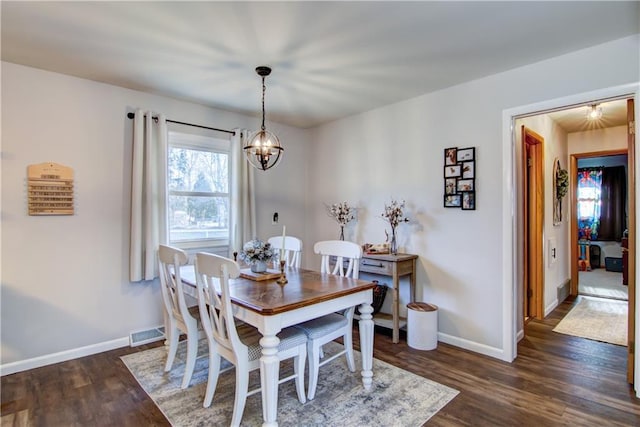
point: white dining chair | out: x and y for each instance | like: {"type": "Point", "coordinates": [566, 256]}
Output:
{"type": "Point", "coordinates": [325, 329]}
{"type": "Point", "coordinates": [180, 316]}
{"type": "Point", "coordinates": [239, 344]}
{"type": "Point", "coordinates": [292, 249]}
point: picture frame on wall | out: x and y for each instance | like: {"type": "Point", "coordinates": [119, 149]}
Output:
{"type": "Point", "coordinates": [468, 200]}
{"type": "Point", "coordinates": [450, 156]}
{"type": "Point", "coordinates": [469, 169]}
{"type": "Point", "coordinates": [450, 186]}
{"type": "Point", "coordinates": [452, 171]}
{"type": "Point", "coordinates": [466, 154]}
{"type": "Point", "coordinates": [452, 201]}
{"type": "Point", "coordinates": [459, 172]}
{"type": "Point", "coordinates": [465, 185]}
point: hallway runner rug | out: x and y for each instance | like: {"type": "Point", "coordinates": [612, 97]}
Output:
{"type": "Point", "coordinates": [397, 398]}
{"type": "Point", "coordinates": [597, 319]}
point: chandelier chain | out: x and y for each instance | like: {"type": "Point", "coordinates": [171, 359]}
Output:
{"type": "Point", "coordinates": [264, 88]}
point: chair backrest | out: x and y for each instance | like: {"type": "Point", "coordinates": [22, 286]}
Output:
{"type": "Point", "coordinates": [170, 260]}
{"type": "Point", "coordinates": [292, 249]}
{"type": "Point", "coordinates": [343, 251]}
{"type": "Point", "coordinates": [215, 309]}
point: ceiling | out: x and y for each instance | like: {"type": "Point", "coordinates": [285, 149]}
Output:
{"type": "Point", "coordinates": [329, 59]}
{"type": "Point", "coordinates": [614, 113]}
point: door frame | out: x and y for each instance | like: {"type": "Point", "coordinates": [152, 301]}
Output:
{"type": "Point", "coordinates": [573, 191]}
{"type": "Point", "coordinates": [533, 224]}
{"type": "Point", "coordinates": [633, 364]}
{"type": "Point", "coordinates": [511, 330]}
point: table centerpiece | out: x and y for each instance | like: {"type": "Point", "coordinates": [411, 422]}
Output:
{"type": "Point", "coordinates": [257, 253]}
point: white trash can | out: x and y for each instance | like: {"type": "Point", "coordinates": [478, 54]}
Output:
{"type": "Point", "coordinates": [422, 326]}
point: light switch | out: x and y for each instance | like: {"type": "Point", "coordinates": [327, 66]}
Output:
{"type": "Point", "coordinates": [553, 251]}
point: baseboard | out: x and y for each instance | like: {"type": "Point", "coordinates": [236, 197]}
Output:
{"type": "Point", "coordinates": [520, 335]}
{"type": "Point", "coordinates": [49, 359]}
{"type": "Point", "coordinates": [548, 309]}
{"type": "Point", "coordinates": [494, 352]}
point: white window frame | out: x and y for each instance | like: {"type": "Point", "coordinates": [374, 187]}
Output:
{"type": "Point", "coordinates": [201, 143]}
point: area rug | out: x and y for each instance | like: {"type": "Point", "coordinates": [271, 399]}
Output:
{"type": "Point", "coordinates": [602, 283]}
{"type": "Point", "coordinates": [597, 319]}
{"type": "Point", "coordinates": [397, 397]}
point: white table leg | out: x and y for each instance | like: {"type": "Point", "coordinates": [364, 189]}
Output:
{"type": "Point", "coordinates": [269, 374]}
{"type": "Point", "coordinates": [366, 344]}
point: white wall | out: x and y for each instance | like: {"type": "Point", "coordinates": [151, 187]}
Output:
{"type": "Point", "coordinates": [397, 151]}
{"type": "Point", "coordinates": [593, 141]}
{"type": "Point", "coordinates": [64, 278]}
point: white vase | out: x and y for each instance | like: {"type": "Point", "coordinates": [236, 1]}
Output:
{"type": "Point", "coordinates": [259, 267]}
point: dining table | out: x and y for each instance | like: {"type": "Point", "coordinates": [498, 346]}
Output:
{"type": "Point", "coordinates": [271, 306]}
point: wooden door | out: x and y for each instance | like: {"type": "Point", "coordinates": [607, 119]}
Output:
{"type": "Point", "coordinates": [631, 178]}
{"type": "Point", "coordinates": [533, 221]}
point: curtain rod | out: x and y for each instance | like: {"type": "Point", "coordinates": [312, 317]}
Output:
{"type": "Point", "coordinates": [132, 115]}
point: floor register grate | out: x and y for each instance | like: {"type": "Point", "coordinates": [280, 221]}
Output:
{"type": "Point", "coordinates": [146, 336]}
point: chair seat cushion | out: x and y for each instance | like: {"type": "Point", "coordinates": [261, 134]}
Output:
{"type": "Point", "coordinates": [323, 325]}
{"type": "Point", "coordinates": [195, 312]}
{"type": "Point", "coordinates": [250, 336]}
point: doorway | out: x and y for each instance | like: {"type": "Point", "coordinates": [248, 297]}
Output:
{"type": "Point", "coordinates": [601, 190]}
{"type": "Point", "coordinates": [568, 253]}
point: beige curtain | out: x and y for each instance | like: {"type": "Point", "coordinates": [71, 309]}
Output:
{"type": "Point", "coordinates": [243, 203]}
{"type": "Point", "coordinates": [148, 194]}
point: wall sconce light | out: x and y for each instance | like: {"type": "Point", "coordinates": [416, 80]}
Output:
{"type": "Point", "coordinates": [263, 150]}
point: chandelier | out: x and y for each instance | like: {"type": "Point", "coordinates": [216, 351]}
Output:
{"type": "Point", "coordinates": [263, 149]}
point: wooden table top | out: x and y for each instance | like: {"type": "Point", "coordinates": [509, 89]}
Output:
{"type": "Point", "coordinates": [304, 287]}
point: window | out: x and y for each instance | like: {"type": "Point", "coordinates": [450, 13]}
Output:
{"type": "Point", "coordinates": [198, 187]}
{"type": "Point", "coordinates": [589, 202]}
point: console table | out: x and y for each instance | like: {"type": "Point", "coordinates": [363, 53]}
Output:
{"type": "Point", "coordinates": [393, 266]}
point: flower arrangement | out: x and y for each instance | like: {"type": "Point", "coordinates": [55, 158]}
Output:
{"type": "Point", "coordinates": [257, 250]}
{"type": "Point", "coordinates": [394, 213]}
{"type": "Point", "coordinates": [342, 213]}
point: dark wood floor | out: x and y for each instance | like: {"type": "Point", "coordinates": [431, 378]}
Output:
{"type": "Point", "coordinates": [557, 380]}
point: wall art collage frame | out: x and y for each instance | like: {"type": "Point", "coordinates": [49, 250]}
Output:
{"type": "Point", "coordinates": [460, 178]}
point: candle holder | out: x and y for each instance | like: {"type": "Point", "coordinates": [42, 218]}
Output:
{"type": "Point", "coordinates": [283, 278]}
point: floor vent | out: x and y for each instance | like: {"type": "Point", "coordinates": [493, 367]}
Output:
{"type": "Point", "coordinates": [146, 336]}
{"type": "Point", "coordinates": [564, 290]}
